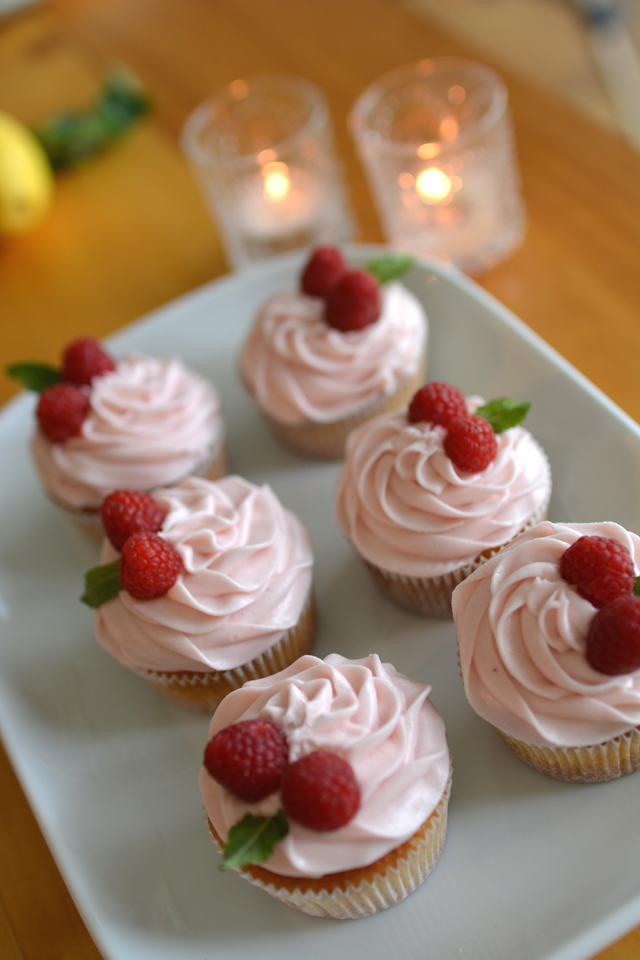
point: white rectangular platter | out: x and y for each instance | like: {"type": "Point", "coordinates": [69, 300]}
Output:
{"type": "Point", "coordinates": [533, 869]}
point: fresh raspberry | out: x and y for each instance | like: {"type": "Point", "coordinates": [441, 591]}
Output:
{"type": "Point", "coordinates": [437, 403]}
{"type": "Point", "coordinates": [320, 791]}
{"type": "Point", "coordinates": [613, 640]}
{"type": "Point", "coordinates": [149, 566]}
{"type": "Point", "coordinates": [248, 758]}
{"type": "Point", "coordinates": [61, 411]}
{"type": "Point", "coordinates": [354, 302]}
{"type": "Point", "coordinates": [601, 569]}
{"type": "Point", "coordinates": [125, 512]}
{"type": "Point", "coordinates": [323, 270]}
{"type": "Point", "coordinates": [470, 443]}
{"type": "Point", "coordinates": [84, 359]}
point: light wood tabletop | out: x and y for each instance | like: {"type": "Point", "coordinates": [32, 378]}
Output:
{"type": "Point", "coordinates": [129, 232]}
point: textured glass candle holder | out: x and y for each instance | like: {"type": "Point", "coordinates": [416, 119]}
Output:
{"type": "Point", "coordinates": [262, 152]}
{"type": "Point", "coordinates": [436, 141]}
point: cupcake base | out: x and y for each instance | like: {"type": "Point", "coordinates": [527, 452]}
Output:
{"type": "Point", "coordinates": [362, 892]}
{"type": "Point", "coordinates": [202, 691]}
{"type": "Point", "coordinates": [328, 440]}
{"type": "Point", "coordinates": [431, 596]}
{"type": "Point", "coordinates": [88, 520]}
{"type": "Point", "coordinates": [598, 763]}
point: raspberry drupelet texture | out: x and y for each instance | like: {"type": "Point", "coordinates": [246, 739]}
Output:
{"type": "Point", "coordinates": [470, 443]}
{"type": "Point", "coordinates": [248, 758]}
{"type": "Point", "coordinates": [149, 566]}
{"type": "Point", "coordinates": [323, 270]}
{"type": "Point", "coordinates": [437, 402]}
{"type": "Point", "coordinates": [600, 568]}
{"type": "Point", "coordinates": [125, 512]}
{"type": "Point", "coordinates": [320, 791]}
{"type": "Point", "coordinates": [84, 359]}
{"type": "Point", "coordinates": [61, 411]}
{"type": "Point", "coordinates": [354, 302]}
{"type": "Point", "coordinates": [613, 640]}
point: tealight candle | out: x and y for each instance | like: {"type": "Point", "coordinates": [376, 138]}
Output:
{"type": "Point", "coordinates": [435, 140]}
{"type": "Point", "coordinates": [262, 152]}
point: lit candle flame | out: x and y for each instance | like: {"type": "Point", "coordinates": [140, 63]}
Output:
{"type": "Point", "coordinates": [276, 181]}
{"type": "Point", "coordinates": [433, 185]}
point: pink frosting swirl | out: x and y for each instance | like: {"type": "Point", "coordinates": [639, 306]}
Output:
{"type": "Point", "coordinates": [380, 721]}
{"type": "Point", "coordinates": [521, 633]}
{"type": "Point", "coordinates": [247, 568]}
{"type": "Point", "coordinates": [407, 509]}
{"type": "Point", "coordinates": [299, 368]}
{"type": "Point", "coordinates": [151, 422]}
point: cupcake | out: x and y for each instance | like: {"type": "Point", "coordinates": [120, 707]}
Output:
{"type": "Point", "coordinates": [428, 492]}
{"type": "Point", "coordinates": [342, 767]}
{"type": "Point", "coordinates": [216, 592]}
{"type": "Point", "coordinates": [549, 639]}
{"type": "Point", "coordinates": [344, 347]}
{"type": "Point", "coordinates": [136, 423]}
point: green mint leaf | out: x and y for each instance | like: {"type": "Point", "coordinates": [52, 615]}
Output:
{"type": "Point", "coordinates": [252, 840]}
{"type": "Point", "coordinates": [101, 584]}
{"type": "Point", "coordinates": [636, 587]}
{"type": "Point", "coordinates": [72, 137]}
{"type": "Point", "coordinates": [390, 267]}
{"type": "Point", "coordinates": [503, 413]}
{"type": "Point", "coordinates": [33, 376]}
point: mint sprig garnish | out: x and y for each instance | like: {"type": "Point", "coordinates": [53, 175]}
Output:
{"type": "Point", "coordinates": [252, 840]}
{"type": "Point", "coordinates": [33, 376]}
{"type": "Point", "coordinates": [390, 267]}
{"type": "Point", "coordinates": [101, 584]}
{"type": "Point", "coordinates": [636, 587]}
{"type": "Point", "coordinates": [503, 413]}
{"type": "Point", "coordinates": [71, 137]}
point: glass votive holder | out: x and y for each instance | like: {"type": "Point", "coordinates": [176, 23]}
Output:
{"type": "Point", "coordinates": [436, 141]}
{"type": "Point", "coordinates": [262, 152]}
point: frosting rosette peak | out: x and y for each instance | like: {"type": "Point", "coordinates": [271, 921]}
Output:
{"type": "Point", "coordinates": [298, 368]}
{"type": "Point", "coordinates": [379, 721]}
{"type": "Point", "coordinates": [407, 509]}
{"type": "Point", "coordinates": [150, 422]}
{"type": "Point", "coordinates": [522, 633]}
{"type": "Point", "coordinates": [245, 580]}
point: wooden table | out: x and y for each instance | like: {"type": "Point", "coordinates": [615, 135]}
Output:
{"type": "Point", "coordinates": [129, 232]}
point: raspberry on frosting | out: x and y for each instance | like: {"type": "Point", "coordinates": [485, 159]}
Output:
{"type": "Point", "coordinates": [125, 512]}
{"type": "Point", "coordinates": [249, 758]}
{"type": "Point", "coordinates": [354, 302]}
{"type": "Point", "coordinates": [437, 402]}
{"type": "Point", "coordinates": [61, 411]}
{"type": "Point", "coordinates": [84, 359]}
{"type": "Point", "coordinates": [470, 443]}
{"type": "Point", "coordinates": [323, 270]}
{"type": "Point", "coordinates": [613, 640]}
{"type": "Point", "coordinates": [600, 568]}
{"type": "Point", "coordinates": [320, 791]}
{"type": "Point", "coordinates": [149, 566]}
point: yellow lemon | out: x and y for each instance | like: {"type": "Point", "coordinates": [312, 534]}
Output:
{"type": "Point", "coordinates": [26, 178]}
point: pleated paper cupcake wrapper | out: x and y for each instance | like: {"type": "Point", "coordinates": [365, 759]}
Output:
{"type": "Point", "coordinates": [213, 467]}
{"type": "Point", "coordinates": [361, 892]}
{"type": "Point", "coordinates": [431, 596]}
{"type": "Point", "coordinates": [328, 440]}
{"type": "Point", "coordinates": [594, 764]}
{"type": "Point", "coordinates": [203, 691]}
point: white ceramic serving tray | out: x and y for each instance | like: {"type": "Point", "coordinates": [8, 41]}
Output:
{"type": "Point", "coordinates": [532, 868]}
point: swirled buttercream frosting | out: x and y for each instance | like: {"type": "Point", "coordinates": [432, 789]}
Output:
{"type": "Point", "coordinates": [151, 422]}
{"type": "Point", "coordinates": [298, 368]}
{"type": "Point", "coordinates": [522, 633]}
{"type": "Point", "coordinates": [407, 509]}
{"type": "Point", "coordinates": [245, 578]}
{"type": "Point", "coordinates": [380, 721]}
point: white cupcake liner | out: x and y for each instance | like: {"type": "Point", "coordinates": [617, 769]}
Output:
{"type": "Point", "coordinates": [597, 763]}
{"type": "Point", "coordinates": [212, 467]}
{"type": "Point", "coordinates": [328, 440]}
{"type": "Point", "coordinates": [362, 892]}
{"type": "Point", "coordinates": [431, 596]}
{"type": "Point", "coordinates": [203, 690]}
